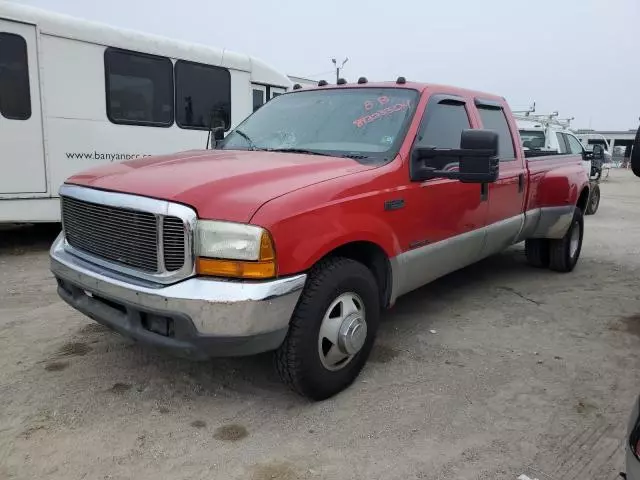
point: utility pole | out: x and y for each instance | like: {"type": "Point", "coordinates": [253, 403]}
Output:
{"type": "Point", "coordinates": [338, 68]}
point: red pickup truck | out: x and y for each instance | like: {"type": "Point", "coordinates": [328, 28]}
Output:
{"type": "Point", "coordinates": [307, 220]}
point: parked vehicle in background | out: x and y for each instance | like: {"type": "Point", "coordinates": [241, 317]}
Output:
{"type": "Point", "coordinates": [545, 135]}
{"type": "Point", "coordinates": [313, 215]}
{"type": "Point", "coordinates": [589, 141]}
{"type": "Point", "coordinates": [76, 94]}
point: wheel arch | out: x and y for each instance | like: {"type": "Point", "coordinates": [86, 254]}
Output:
{"type": "Point", "coordinates": [583, 199]}
{"type": "Point", "coordinates": [374, 257]}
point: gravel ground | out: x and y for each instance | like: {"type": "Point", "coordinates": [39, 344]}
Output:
{"type": "Point", "coordinates": [528, 372]}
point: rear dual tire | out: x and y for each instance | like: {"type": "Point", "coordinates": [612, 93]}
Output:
{"type": "Point", "coordinates": [537, 252]}
{"type": "Point", "coordinates": [594, 201]}
{"type": "Point", "coordinates": [560, 255]}
{"type": "Point", "coordinates": [565, 252]}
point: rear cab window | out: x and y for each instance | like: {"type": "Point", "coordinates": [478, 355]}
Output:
{"type": "Point", "coordinates": [15, 96]}
{"type": "Point", "coordinates": [494, 118]}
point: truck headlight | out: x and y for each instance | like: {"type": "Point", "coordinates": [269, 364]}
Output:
{"type": "Point", "coordinates": [236, 250]}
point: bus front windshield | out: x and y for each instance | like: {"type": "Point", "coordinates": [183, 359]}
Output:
{"type": "Point", "coordinates": [367, 124]}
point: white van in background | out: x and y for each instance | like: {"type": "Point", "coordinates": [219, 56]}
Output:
{"type": "Point", "coordinates": [546, 135]}
{"type": "Point", "coordinates": [75, 94]}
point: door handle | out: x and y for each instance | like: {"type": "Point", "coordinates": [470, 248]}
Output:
{"type": "Point", "coordinates": [484, 192]}
{"type": "Point", "coordinates": [521, 183]}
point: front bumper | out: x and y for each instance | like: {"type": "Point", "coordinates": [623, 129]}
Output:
{"type": "Point", "coordinates": [197, 317]}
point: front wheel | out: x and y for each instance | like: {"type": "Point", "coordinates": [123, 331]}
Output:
{"type": "Point", "coordinates": [332, 330]}
{"type": "Point", "coordinates": [594, 201]}
{"type": "Point", "coordinates": [564, 253]}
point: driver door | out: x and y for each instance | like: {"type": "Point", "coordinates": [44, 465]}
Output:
{"type": "Point", "coordinates": [446, 216]}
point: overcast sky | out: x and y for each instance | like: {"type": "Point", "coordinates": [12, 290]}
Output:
{"type": "Point", "coordinates": [579, 57]}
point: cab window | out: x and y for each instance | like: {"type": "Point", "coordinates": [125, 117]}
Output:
{"type": "Point", "coordinates": [442, 128]}
{"type": "Point", "coordinates": [443, 125]}
{"type": "Point", "coordinates": [494, 119]}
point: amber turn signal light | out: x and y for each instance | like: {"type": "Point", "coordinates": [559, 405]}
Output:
{"type": "Point", "coordinates": [235, 269]}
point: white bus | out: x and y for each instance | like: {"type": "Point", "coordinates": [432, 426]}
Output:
{"type": "Point", "coordinates": [74, 94]}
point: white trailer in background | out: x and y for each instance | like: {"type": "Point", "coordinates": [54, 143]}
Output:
{"type": "Point", "coordinates": [75, 94]}
{"type": "Point", "coordinates": [304, 82]}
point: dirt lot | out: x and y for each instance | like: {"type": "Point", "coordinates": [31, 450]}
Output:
{"type": "Point", "coordinates": [528, 372]}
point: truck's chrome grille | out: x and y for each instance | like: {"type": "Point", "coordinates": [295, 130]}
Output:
{"type": "Point", "coordinates": [124, 236]}
{"type": "Point", "coordinates": [173, 235]}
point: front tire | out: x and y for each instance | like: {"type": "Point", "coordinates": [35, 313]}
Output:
{"type": "Point", "coordinates": [565, 252]}
{"type": "Point", "coordinates": [332, 330]}
{"type": "Point", "coordinates": [594, 201]}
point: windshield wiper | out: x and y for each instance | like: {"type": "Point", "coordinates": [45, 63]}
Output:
{"type": "Point", "coordinates": [354, 156]}
{"type": "Point", "coordinates": [246, 137]}
{"type": "Point", "coordinates": [298, 150]}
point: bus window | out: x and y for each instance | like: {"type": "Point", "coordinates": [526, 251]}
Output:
{"type": "Point", "coordinates": [203, 96]}
{"type": "Point", "coordinates": [139, 88]}
{"type": "Point", "coordinates": [15, 99]}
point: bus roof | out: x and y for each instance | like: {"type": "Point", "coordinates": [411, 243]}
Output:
{"type": "Point", "coordinates": [64, 26]}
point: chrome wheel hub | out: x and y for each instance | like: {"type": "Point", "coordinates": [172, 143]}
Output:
{"type": "Point", "coordinates": [343, 331]}
{"type": "Point", "coordinates": [352, 335]}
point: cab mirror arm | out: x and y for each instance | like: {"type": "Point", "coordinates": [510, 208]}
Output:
{"type": "Point", "coordinates": [477, 160]}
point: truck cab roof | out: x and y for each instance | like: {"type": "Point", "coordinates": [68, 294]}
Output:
{"type": "Point", "coordinates": [419, 86]}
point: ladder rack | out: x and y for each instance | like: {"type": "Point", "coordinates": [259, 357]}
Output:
{"type": "Point", "coordinates": [546, 120]}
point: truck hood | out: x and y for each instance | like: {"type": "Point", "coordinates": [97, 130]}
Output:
{"type": "Point", "coordinates": [221, 184]}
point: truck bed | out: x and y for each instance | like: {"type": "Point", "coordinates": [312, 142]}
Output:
{"type": "Point", "coordinates": [554, 171]}
{"type": "Point", "coordinates": [539, 153]}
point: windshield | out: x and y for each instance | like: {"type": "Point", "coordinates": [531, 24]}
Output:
{"type": "Point", "coordinates": [532, 139]}
{"type": "Point", "coordinates": [362, 123]}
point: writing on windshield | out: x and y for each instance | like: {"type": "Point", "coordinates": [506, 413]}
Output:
{"type": "Point", "coordinates": [398, 107]}
{"type": "Point", "coordinates": [364, 123]}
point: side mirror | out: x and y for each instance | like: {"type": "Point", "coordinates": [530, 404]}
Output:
{"type": "Point", "coordinates": [215, 136]}
{"type": "Point", "coordinates": [635, 155]}
{"type": "Point", "coordinates": [476, 161]}
{"type": "Point", "coordinates": [218, 133]}
{"type": "Point", "coordinates": [598, 152]}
